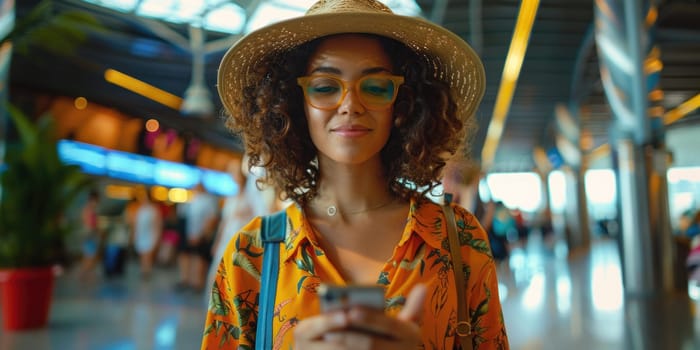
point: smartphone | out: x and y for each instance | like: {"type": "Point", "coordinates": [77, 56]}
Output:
{"type": "Point", "coordinates": [335, 297]}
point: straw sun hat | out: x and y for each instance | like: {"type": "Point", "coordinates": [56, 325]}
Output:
{"type": "Point", "coordinates": [455, 61]}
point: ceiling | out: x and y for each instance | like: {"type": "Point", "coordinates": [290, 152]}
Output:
{"type": "Point", "coordinates": [560, 67]}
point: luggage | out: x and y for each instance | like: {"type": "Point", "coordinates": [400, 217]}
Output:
{"type": "Point", "coordinates": [114, 260]}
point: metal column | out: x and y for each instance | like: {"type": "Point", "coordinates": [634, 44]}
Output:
{"type": "Point", "coordinates": [624, 42]}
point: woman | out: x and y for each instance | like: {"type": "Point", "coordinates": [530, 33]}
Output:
{"type": "Point", "coordinates": [89, 217]}
{"type": "Point", "coordinates": [147, 231]}
{"type": "Point", "coordinates": [353, 111]}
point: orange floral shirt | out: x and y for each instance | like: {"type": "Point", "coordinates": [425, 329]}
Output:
{"type": "Point", "coordinates": [421, 256]}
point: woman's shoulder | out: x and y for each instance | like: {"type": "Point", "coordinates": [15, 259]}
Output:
{"type": "Point", "coordinates": [249, 234]}
{"type": "Point", "coordinates": [467, 223]}
{"type": "Point", "coordinates": [435, 207]}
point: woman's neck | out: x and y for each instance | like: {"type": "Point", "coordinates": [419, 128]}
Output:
{"type": "Point", "coordinates": [351, 189]}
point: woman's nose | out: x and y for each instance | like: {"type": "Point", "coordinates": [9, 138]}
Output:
{"type": "Point", "coordinates": [351, 104]}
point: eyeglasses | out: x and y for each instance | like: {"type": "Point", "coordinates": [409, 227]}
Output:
{"type": "Point", "coordinates": [375, 92]}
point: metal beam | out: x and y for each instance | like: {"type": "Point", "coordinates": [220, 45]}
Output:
{"type": "Point", "coordinates": [476, 35]}
{"type": "Point", "coordinates": [437, 14]}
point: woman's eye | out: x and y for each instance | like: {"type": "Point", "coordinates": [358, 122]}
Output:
{"type": "Point", "coordinates": [375, 89]}
{"type": "Point", "coordinates": [323, 89]}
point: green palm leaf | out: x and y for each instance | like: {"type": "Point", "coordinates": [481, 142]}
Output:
{"type": "Point", "coordinates": [241, 260]}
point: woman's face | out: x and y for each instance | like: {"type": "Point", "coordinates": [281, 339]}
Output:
{"type": "Point", "coordinates": [350, 133]}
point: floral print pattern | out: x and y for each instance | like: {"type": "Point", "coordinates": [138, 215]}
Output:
{"type": "Point", "coordinates": [421, 256]}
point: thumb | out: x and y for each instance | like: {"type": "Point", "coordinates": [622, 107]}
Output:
{"type": "Point", "coordinates": [413, 309]}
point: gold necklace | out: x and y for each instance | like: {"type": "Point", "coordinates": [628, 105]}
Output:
{"type": "Point", "coordinates": [331, 210]}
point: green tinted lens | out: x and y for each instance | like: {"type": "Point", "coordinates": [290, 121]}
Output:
{"type": "Point", "coordinates": [377, 91]}
{"type": "Point", "coordinates": [324, 91]}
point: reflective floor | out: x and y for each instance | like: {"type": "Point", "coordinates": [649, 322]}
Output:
{"type": "Point", "coordinates": [550, 301]}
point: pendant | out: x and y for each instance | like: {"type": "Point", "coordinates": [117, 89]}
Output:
{"type": "Point", "coordinates": [331, 210]}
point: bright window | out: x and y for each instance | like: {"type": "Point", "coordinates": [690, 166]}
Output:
{"type": "Point", "coordinates": [601, 192]}
{"type": "Point", "coordinates": [557, 191]}
{"type": "Point", "coordinates": [516, 190]}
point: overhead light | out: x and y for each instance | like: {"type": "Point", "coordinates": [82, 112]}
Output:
{"type": "Point", "coordinates": [142, 88]}
{"type": "Point", "coordinates": [80, 103]}
{"type": "Point", "coordinates": [682, 110]}
{"type": "Point", "coordinates": [511, 71]}
{"type": "Point", "coordinates": [152, 125]}
{"type": "Point", "coordinates": [197, 101]}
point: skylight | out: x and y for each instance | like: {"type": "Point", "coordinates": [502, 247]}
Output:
{"type": "Point", "coordinates": [229, 16]}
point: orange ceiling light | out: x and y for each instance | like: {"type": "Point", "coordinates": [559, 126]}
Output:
{"type": "Point", "coordinates": [179, 195]}
{"type": "Point", "coordinates": [152, 125]}
{"type": "Point", "coordinates": [682, 110]}
{"type": "Point", "coordinates": [80, 103]}
{"type": "Point", "coordinates": [142, 88]}
{"type": "Point", "coordinates": [511, 71]}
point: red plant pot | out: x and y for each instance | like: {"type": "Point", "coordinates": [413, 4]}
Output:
{"type": "Point", "coordinates": [26, 296]}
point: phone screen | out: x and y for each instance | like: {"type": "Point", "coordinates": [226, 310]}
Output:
{"type": "Point", "coordinates": [343, 297]}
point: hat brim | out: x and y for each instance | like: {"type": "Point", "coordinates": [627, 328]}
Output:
{"type": "Point", "coordinates": [455, 61]}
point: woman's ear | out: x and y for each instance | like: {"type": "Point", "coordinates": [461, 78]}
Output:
{"type": "Point", "coordinates": [398, 120]}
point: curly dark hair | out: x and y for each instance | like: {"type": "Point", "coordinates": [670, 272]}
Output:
{"type": "Point", "coordinates": [272, 124]}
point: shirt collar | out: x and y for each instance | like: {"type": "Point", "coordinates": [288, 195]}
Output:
{"type": "Point", "coordinates": [299, 233]}
{"type": "Point", "coordinates": [424, 219]}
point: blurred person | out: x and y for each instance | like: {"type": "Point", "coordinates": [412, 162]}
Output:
{"type": "Point", "coordinates": [201, 219]}
{"type": "Point", "coordinates": [116, 246]}
{"type": "Point", "coordinates": [503, 230]}
{"type": "Point", "coordinates": [462, 181]}
{"type": "Point", "coordinates": [521, 225]}
{"type": "Point", "coordinates": [132, 207]}
{"type": "Point", "coordinates": [546, 226]}
{"type": "Point", "coordinates": [147, 231]}
{"type": "Point", "coordinates": [684, 221]}
{"type": "Point", "coordinates": [693, 261]}
{"type": "Point", "coordinates": [167, 250]}
{"type": "Point", "coordinates": [353, 117]}
{"type": "Point", "coordinates": [91, 235]}
{"type": "Point", "coordinates": [693, 229]}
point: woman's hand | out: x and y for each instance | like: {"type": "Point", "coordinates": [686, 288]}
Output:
{"type": "Point", "coordinates": [362, 328]}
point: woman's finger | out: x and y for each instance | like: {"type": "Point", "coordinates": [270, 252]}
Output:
{"type": "Point", "coordinates": [363, 341]}
{"type": "Point", "coordinates": [313, 328]}
{"type": "Point", "coordinates": [381, 326]}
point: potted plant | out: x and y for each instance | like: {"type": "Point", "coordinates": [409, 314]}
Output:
{"type": "Point", "coordinates": [36, 189]}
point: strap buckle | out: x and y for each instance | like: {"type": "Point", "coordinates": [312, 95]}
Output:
{"type": "Point", "coordinates": [464, 329]}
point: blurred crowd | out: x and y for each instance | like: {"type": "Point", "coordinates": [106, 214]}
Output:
{"type": "Point", "coordinates": [188, 236]}
{"type": "Point", "coordinates": [689, 229]}
{"type": "Point", "coordinates": [191, 236]}
{"type": "Point", "coordinates": [506, 227]}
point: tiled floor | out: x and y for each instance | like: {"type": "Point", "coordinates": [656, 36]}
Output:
{"type": "Point", "coordinates": [554, 302]}
{"type": "Point", "coordinates": [550, 302]}
{"type": "Point", "coordinates": [122, 313]}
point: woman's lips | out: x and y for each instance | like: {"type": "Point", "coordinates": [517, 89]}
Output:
{"type": "Point", "coordinates": [351, 131]}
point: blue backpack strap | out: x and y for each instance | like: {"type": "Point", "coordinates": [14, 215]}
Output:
{"type": "Point", "coordinates": [272, 231]}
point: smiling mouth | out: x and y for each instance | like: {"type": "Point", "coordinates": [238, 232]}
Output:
{"type": "Point", "coordinates": [351, 131]}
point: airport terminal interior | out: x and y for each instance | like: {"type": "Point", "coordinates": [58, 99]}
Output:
{"type": "Point", "coordinates": [586, 151]}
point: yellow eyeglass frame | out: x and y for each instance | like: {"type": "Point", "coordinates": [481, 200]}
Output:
{"type": "Point", "coordinates": [396, 79]}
